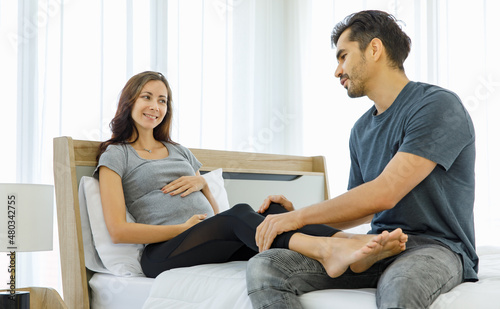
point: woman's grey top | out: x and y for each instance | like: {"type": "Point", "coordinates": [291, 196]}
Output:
{"type": "Point", "coordinates": [143, 179]}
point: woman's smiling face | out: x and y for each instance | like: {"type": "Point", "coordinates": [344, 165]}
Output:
{"type": "Point", "coordinates": [151, 106]}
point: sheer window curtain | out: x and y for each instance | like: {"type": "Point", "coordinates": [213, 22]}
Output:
{"type": "Point", "coordinates": [248, 75]}
{"type": "Point", "coordinates": [234, 68]}
{"type": "Point", "coordinates": [270, 39]}
{"type": "Point", "coordinates": [453, 45]}
{"type": "Point", "coordinates": [65, 62]}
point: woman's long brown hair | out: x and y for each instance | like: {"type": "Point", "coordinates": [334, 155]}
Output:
{"type": "Point", "coordinates": [122, 125]}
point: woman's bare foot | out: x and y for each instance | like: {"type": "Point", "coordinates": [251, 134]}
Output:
{"type": "Point", "coordinates": [393, 244]}
{"type": "Point", "coordinates": [337, 254]}
{"type": "Point", "coordinates": [359, 252]}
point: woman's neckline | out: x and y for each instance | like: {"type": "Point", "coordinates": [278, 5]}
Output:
{"type": "Point", "coordinates": [150, 155]}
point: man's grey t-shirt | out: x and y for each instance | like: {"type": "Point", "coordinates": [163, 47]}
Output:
{"type": "Point", "coordinates": [143, 179]}
{"type": "Point", "coordinates": [430, 122]}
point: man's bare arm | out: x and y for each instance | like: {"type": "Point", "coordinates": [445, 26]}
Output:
{"type": "Point", "coordinates": [403, 173]}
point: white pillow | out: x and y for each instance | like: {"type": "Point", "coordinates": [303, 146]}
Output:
{"type": "Point", "coordinates": [216, 185]}
{"type": "Point", "coordinates": [101, 254]}
{"type": "Point", "coordinates": [118, 259]}
{"type": "Point", "coordinates": [88, 193]}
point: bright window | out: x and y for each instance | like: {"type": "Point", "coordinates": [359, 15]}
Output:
{"type": "Point", "coordinates": [246, 75]}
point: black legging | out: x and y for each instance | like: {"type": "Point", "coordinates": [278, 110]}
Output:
{"type": "Point", "coordinates": [228, 236]}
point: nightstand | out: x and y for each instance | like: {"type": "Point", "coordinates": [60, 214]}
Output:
{"type": "Point", "coordinates": [44, 298]}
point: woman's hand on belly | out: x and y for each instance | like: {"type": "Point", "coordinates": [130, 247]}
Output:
{"type": "Point", "coordinates": [185, 185]}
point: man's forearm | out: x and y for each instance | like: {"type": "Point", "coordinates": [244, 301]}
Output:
{"type": "Point", "coordinates": [351, 224]}
{"type": "Point", "coordinates": [349, 209]}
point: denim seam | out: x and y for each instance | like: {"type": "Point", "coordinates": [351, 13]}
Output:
{"type": "Point", "coordinates": [438, 291]}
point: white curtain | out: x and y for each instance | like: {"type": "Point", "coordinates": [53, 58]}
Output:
{"type": "Point", "coordinates": [248, 75]}
{"type": "Point", "coordinates": [453, 45]}
{"type": "Point", "coordinates": [234, 69]}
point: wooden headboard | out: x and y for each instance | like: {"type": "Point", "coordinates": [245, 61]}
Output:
{"type": "Point", "coordinates": [76, 158]}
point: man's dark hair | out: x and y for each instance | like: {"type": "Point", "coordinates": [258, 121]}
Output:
{"type": "Point", "coordinates": [367, 25]}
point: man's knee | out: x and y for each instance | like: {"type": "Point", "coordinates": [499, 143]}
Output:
{"type": "Point", "coordinates": [417, 279]}
{"type": "Point", "coordinates": [286, 271]}
{"type": "Point", "coordinates": [401, 292]}
{"type": "Point", "coordinates": [268, 280]}
{"type": "Point", "coordinates": [262, 271]}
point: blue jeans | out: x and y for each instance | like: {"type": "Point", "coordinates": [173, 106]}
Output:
{"type": "Point", "coordinates": [412, 279]}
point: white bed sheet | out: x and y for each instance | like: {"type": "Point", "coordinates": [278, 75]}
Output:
{"type": "Point", "coordinates": [223, 286]}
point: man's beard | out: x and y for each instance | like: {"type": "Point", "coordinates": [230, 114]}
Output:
{"type": "Point", "coordinates": [356, 87]}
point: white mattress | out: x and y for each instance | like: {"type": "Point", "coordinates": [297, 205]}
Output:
{"type": "Point", "coordinates": [223, 286]}
{"type": "Point", "coordinates": [113, 292]}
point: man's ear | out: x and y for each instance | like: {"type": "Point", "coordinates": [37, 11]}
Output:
{"type": "Point", "coordinates": [376, 49]}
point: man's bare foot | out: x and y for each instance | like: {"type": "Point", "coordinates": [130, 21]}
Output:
{"type": "Point", "coordinates": [337, 254]}
{"type": "Point", "coordinates": [393, 244]}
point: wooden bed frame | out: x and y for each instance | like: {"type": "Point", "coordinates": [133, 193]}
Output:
{"type": "Point", "coordinates": [75, 158]}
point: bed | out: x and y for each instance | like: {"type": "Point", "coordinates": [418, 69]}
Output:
{"type": "Point", "coordinates": [97, 274]}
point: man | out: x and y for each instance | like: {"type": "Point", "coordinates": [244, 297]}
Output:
{"type": "Point", "coordinates": [412, 166]}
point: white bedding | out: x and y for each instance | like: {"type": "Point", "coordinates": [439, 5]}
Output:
{"type": "Point", "coordinates": [223, 286]}
{"type": "Point", "coordinates": [114, 292]}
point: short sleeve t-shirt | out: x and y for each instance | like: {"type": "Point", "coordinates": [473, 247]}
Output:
{"type": "Point", "coordinates": [143, 179]}
{"type": "Point", "coordinates": [430, 122]}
